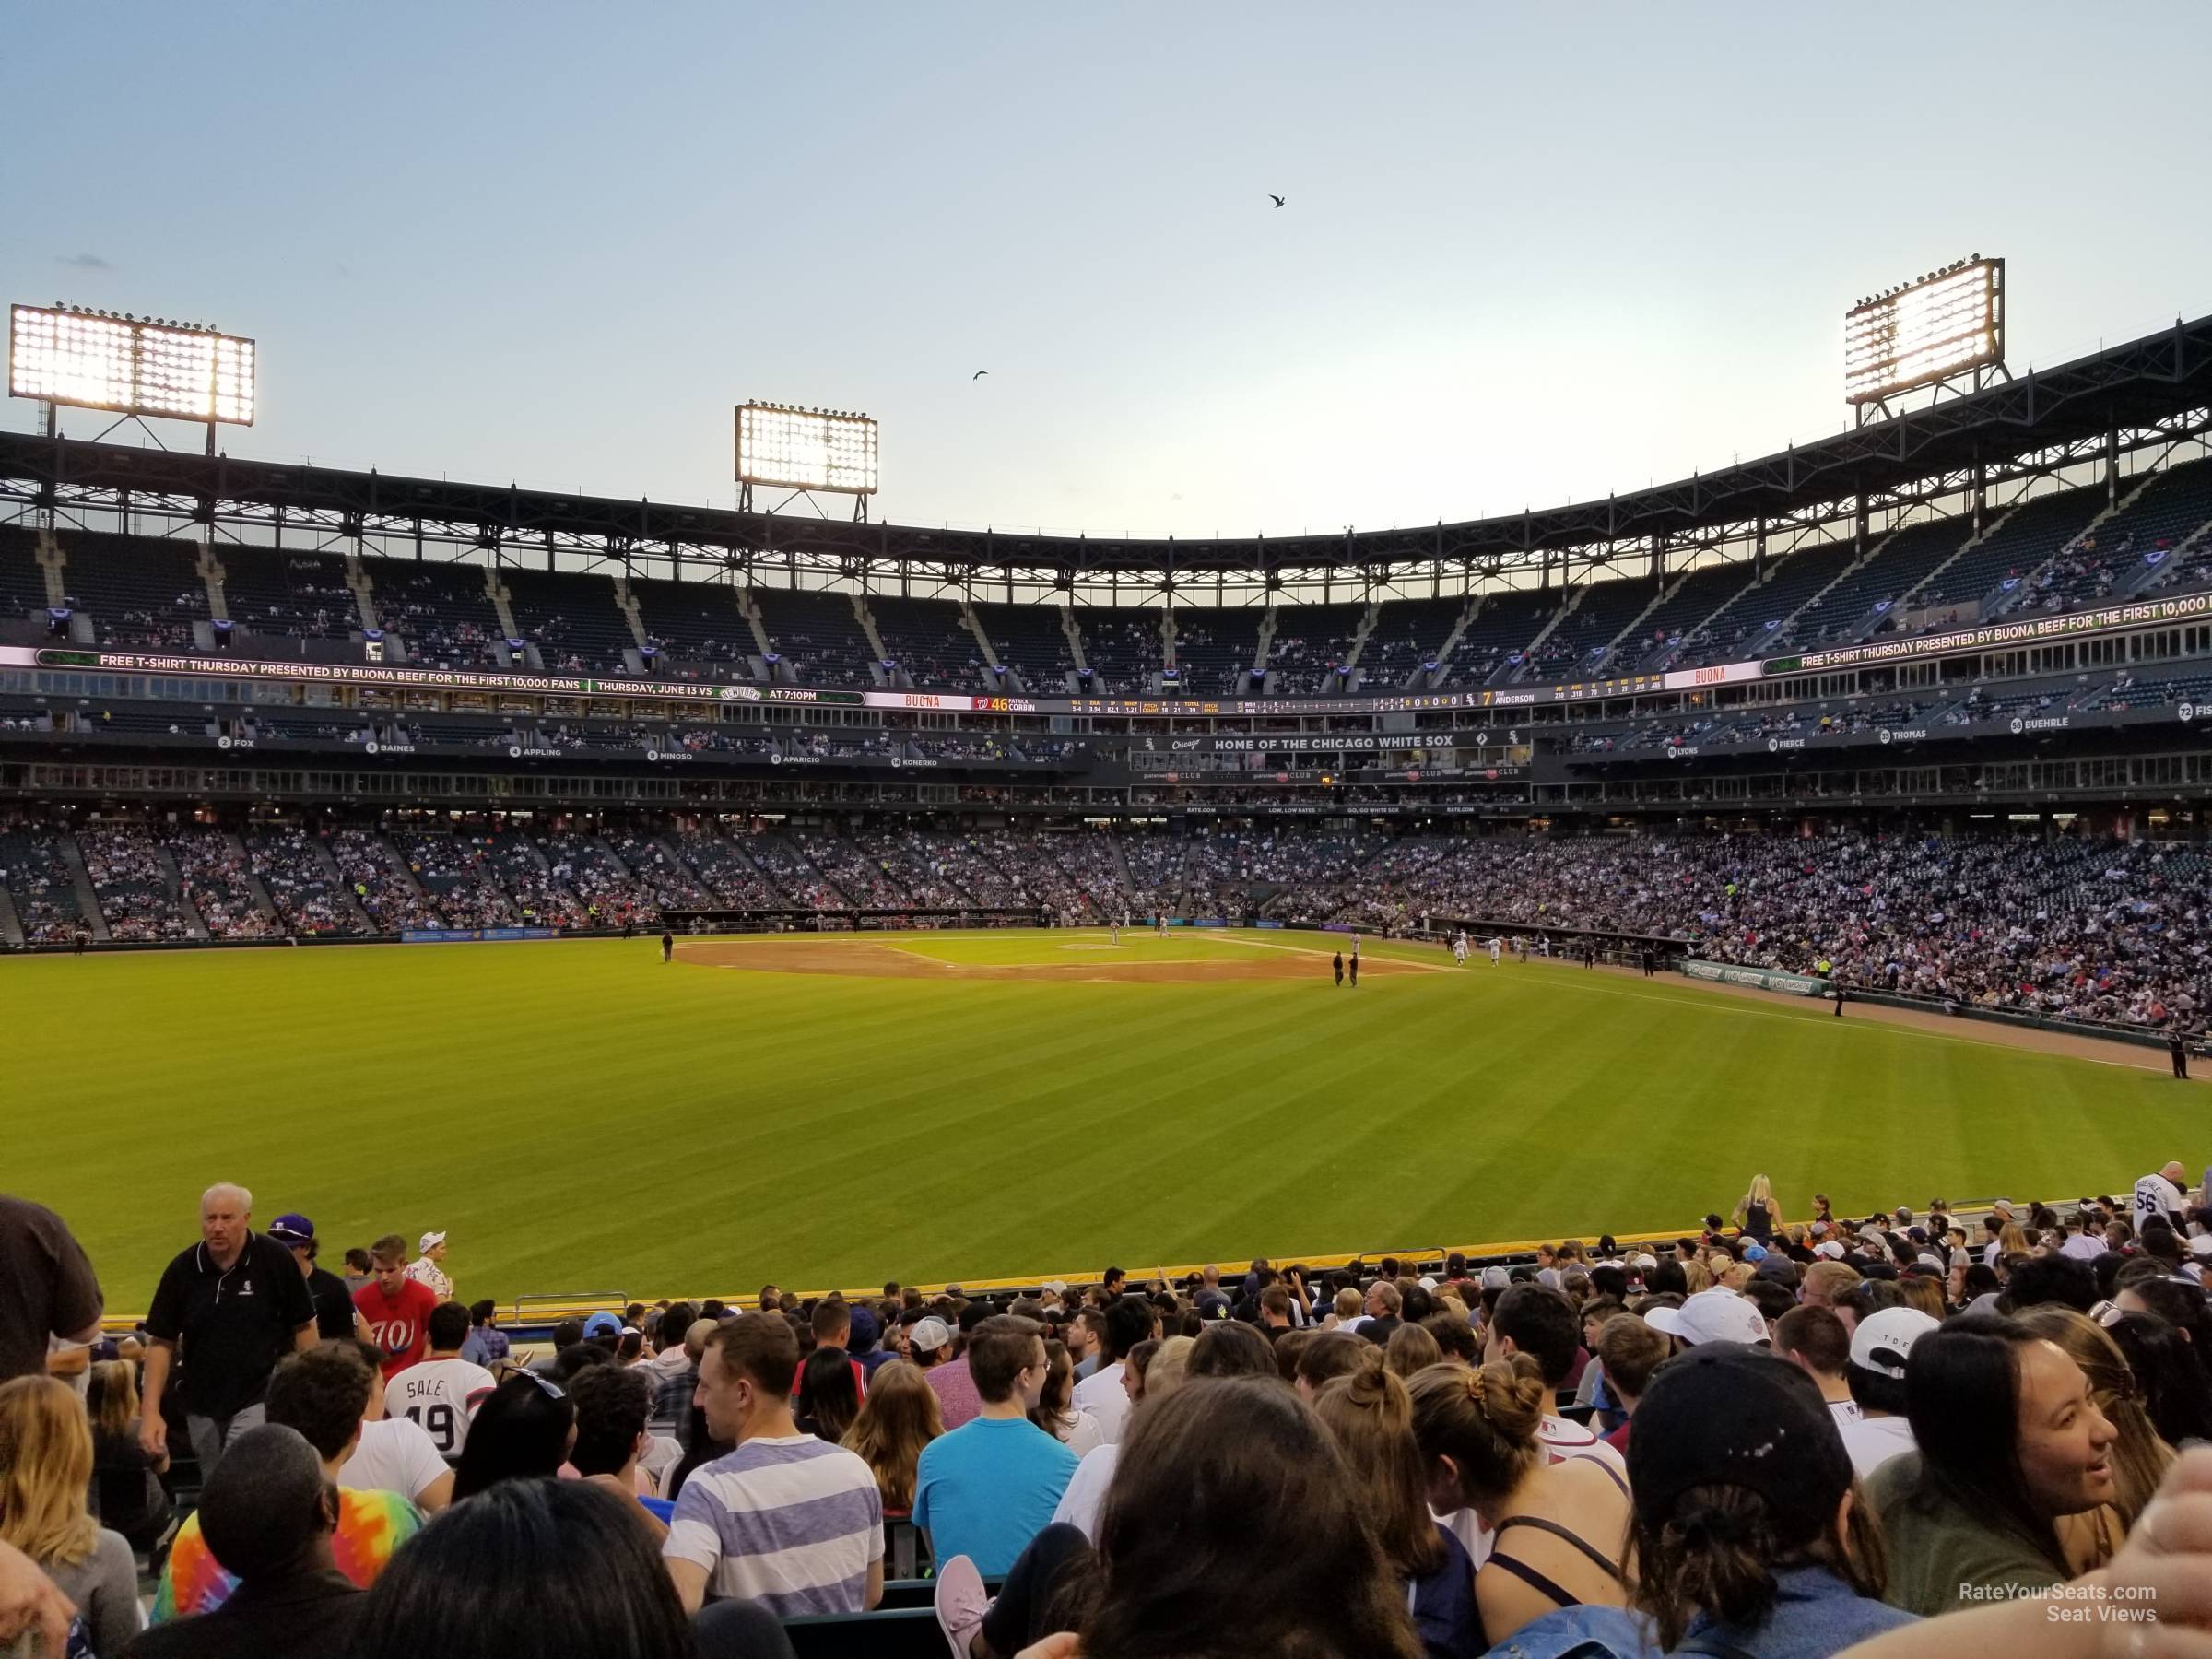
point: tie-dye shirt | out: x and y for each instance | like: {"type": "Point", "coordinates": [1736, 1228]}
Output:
{"type": "Point", "coordinates": [371, 1526]}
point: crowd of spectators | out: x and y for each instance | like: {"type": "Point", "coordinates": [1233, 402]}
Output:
{"type": "Point", "coordinates": [123, 861]}
{"type": "Point", "coordinates": [611, 896]}
{"type": "Point", "coordinates": [218, 885]}
{"type": "Point", "coordinates": [1899, 1436]}
{"type": "Point", "coordinates": [795, 881]}
{"type": "Point", "coordinates": [37, 877]}
{"type": "Point", "coordinates": [2077, 928]}
{"type": "Point", "coordinates": [539, 899]}
{"type": "Point", "coordinates": [455, 870]}
{"type": "Point", "coordinates": [2094, 929]}
{"type": "Point", "coordinates": [725, 868]}
{"type": "Point", "coordinates": [380, 886]}
{"type": "Point", "coordinates": [860, 878]}
{"type": "Point", "coordinates": [418, 606]}
{"type": "Point", "coordinates": [318, 602]}
{"type": "Point", "coordinates": [301, 881]}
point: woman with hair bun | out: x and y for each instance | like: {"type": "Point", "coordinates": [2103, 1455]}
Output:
{"type": "Point", "coordinates": [1369, 1416]}
{"type": "Point", "coordinates": [1748, 1534]}
{"type": "Point", "coordinates": [1551, 1533]}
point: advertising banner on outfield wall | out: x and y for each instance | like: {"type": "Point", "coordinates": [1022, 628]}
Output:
{"type": "Point", "coordinates": [1758, 979]}
{"type": "Point", "coordinates": [473, 935]}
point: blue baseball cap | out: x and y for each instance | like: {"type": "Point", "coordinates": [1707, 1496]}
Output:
{"type": "Point", "coordinates": [601, 1324]}
{"type": "Point", "coordinates": [293, 1228]}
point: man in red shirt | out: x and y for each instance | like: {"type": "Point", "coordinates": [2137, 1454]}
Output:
{"type": "Point", "coordinates": [397, 1307]}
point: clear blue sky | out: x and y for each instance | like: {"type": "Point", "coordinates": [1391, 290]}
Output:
{"type": "Point", "coordinates": [1530, 254]}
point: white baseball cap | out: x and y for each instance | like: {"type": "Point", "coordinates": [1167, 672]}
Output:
{"type": "Point", "coordinates": [1830, 1249]}
{"type": "Point", "coordinates": [1717, 1315]}
{"type": "Point", "coordinates": [1882, 1340]}
{"type": "Point", "coordinates": [929, 1334]}
{"type": "Point", "coordinates": [429, 1242]}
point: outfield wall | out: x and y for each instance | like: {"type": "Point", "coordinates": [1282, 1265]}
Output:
{"type": "Point", "coordinates": [545, 1312]}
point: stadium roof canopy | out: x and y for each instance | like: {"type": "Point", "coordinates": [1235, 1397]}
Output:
{"type": "Point", "coordinates": [2149, 392]}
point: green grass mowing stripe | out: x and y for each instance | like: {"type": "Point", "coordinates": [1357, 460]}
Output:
{"type": "Point", "coordinates": [581, 1113]}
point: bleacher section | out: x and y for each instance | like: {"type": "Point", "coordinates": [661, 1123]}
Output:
{"type": "Point", "coordinates": [38, 879]}
{"type": "Point", "coordinates": [456, 871]}
{"type": "Point", "coordinates": [22, 584]}
{"type": "Point", "coordinates": [214, 873]}
{"type": "Point", "coordinates": [696, 623]}
{"type": "Point", "coordinates": [1215, 649]}
{"type": "Point", "coordinates": [584, 865]}
{"type": "Point", "coordinates": [1750, 622]}
{"type": "Point", "coordinates": [1028, 640]}
{"type": "Point", "coordinates": [927, 638]}
{"type": "Point", "coordinates": [855, 875]}
{"type": "Point", "coordinates": [123, 863]}
{"type": "Point", "coordinates": [306, 892]}
{"type": "Point", "coordinates": [143, 594]}
{"type": "Point", "coordinates": [1507, 621]}
{"type": "Point", "coordinates": [1576, 649]}
{"type": "Point", "coordinates": [542, 901]}
{"type": "Point", "coordinates": [818, 634]}
{"type": "Point", "coordinates": [572, 619]}
{"type": "Point", "coordinates": [2126, 550]}
{"type": "Point", "coordinates": [440, 610]}
{"type": "Point", "coordinates": [1700, 594]}
{"type": "Point", "coordinates": [1122, 645]}
{"type": "Point", "coordinates": [801, 884]}
{"type": "Point", "coordinates": [1408, 632]}
{"type": "Point", "coordinates": [391, 899]}
{"type": "Point", "coordinates": [1310, 640]}
{"type": "Point", "coordinates": [148, 593]}
{"type": "Point", "coordinates": [724, 866]}
{"type": "Point", "coordinates": [2011, 552]}
{"type": "Point", "coordinates": [1898, 561]}
{"type": "Point", "coordinates": [296, 595]}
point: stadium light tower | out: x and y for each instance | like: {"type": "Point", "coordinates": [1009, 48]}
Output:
{"type": "Point", "coordinates": [130, 367]}
{"type": "Point", "coordinates": [807, 452]}
{"type": "Point", "coordinates": [1944, 329]}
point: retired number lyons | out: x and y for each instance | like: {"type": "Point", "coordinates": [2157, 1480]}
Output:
{"type": "Point", "coordinates": [232, 1305]}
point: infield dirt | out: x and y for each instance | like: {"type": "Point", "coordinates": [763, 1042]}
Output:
{"type": "Point", "coordinates": [853, 958]}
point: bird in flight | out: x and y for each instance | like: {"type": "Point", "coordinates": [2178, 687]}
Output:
{"type": "Point", "coordinates": [1275, 199]}
{"type": "Point", "coordinates": [979, 374]}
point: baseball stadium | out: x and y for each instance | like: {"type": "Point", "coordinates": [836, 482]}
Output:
{"type": "Point", "coordinates": [730, 1005]}
{"type": "Point", "coordinates": [1055, 855]}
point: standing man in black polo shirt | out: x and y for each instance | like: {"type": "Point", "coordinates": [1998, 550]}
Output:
{"type": "Point", "coordinates": [235, 1304]}
{"type": "Point", "coordinates": [334, 1314]}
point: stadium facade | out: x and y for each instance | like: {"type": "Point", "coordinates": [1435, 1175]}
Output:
{"type": "Point", "coordinates": [1993, 611]}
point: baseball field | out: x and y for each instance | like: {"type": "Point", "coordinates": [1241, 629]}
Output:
{"type": "Point", "coordinates": [583, 1117]}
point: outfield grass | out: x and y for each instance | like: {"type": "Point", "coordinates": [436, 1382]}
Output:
{"type": "Point", "coordinates": [583, 1118]}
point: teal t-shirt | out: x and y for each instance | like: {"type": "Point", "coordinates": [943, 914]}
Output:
{"type": "Point", "coordinates": [988, 1488]}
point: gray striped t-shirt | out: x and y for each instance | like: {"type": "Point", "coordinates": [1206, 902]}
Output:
{"type": "Point", "coordinates": [792, 1522]}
